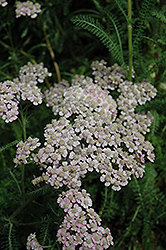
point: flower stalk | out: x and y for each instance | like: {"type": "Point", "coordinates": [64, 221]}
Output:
{"type": "Point", "coordinates": [51, 53]}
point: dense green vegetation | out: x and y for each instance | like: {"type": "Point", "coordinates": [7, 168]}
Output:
{"type": "Point", "coordinates": [67, 36]}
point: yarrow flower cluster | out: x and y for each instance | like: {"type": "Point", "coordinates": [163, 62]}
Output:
{"type": "Point", "coordinates": [24, 149]}
{"type": "Point", "coordinates": [27, 8]}
{"type": "Point", "coordinates": [54, 95]}
{"type": "Point", "coordinates": [32, 243]}
{"type": "Point", "coordinates": [81, 226]}
{"type": "Point", "coordinates": [8, 101]}
{"type": "Point", "coordinates": [93, 133]}
{"type": "Point", "coordinates": [3, 3]}
{"type": "Point", "coordinates": [24, 87]}
{"type": "Point", "coordinates": [108, 77]}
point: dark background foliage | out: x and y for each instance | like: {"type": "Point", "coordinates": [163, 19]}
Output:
{"type": "Point", "coordinates": [136, 215]}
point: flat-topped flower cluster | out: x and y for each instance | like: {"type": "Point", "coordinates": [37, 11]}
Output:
{"type": "Point", "coordinates": [27, 8]}
{"type": "Point", "coordinates": [81, 225]}
{"type": "Point", "coordinates": [94, 132]}
{"type": "Point", "coordinates": [32, 243]}
{"type": "Point", "coordinates": [24, 87]}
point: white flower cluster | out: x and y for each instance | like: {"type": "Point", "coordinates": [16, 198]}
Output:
{"type": "Point", "coordinates": [3, 3]}
{"type": "Point", "coordinates": [54, 95]}
{"type": "Point", "coordinates": [24, 87]}
{"type": "Point", "coordinates": [96, 133]}
{"type": "Point", "coordinates": [8, 101]}
{"type": "Point", "coordinates": [81, 227]}
{"type": "Point", "coordinates": [32, 243]}
{"type": "Point", "coordinates": [93, 132]}
{"type": "Point", "coordinates": [24, 149]}
{"type": "Point", "coordinates": [27, 8]}
{"type": "Point", "coordinates": [29, 76]}
{"type": "Point", "coordinates": [107, 77]}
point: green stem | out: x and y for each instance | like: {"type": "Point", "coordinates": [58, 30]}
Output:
{"type": "Point", "coordinates": [14, 56]}
{"type": "Point", "coordinates": [20, 208]}
{"type": "Point", "coordinates": [10, 237]}
{"type": "Point", "coordinates": [51, 52]}
{"type": "Point", "coordinates": [129, 228]}
{"type": "Point", "coordinates": [130, 40]}
{"type": "Point", "coordinates": [23, 126]}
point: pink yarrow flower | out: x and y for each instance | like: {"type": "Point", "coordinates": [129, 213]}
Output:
{"type": "Point", "coordinates": [27, 8]}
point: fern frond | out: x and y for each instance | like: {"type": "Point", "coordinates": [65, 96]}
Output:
{"type": "Point", "coordinates": [9, 242]}
{"type": "Point", "coordinates": [156, 64]}
{"type": "Point", "coordinates": [44, 230]}
{"type": "Point", "coordinates": [94, 26]}
{"type": "Point", "coordinates": [9, 145]}
{"type": "Point", "coordinates": [40, 191]}
{"type": "Point", "coordinates": [119, 3]}
{"type": "Point", "coordinates": [116, 27]}
{"type": "Point", "coordinates": [160, 15]}
{"type": "Point", "coordinates": [16, 181]}
{"type": "Point", "coordinates": [156, 122]}
{"type": "Point", "coordinates": [97, 4]}
{"type": "Point", "coordinates": [144, 16]}
{"type": "Point", "coordinates": [157, 105]}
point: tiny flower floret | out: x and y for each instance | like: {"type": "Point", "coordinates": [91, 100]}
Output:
{"type": "Point", "coordinates": [3, 3]}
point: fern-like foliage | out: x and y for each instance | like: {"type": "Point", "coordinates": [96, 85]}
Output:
{"type": "Point", "coordinates": [158, 104]}
{"type": "Point", "coordinates": [9, 145]}
{"type": "Point", "coordinates": [140, 25]}
{"type": "Point", "coordinates": [121, 7]}
{"type": "Point", "coordinates": [96, 28]}
{"type": "Point", "coordinates": [114, 25]}
{"type": "Point", "coordinates": [9, 241]}
{"type": "Point", "coordinates": [39, 191]}
{"type": "Point", "coordinates": [160, 14]}
{"type": "Point", "coordinates": [143, 18]}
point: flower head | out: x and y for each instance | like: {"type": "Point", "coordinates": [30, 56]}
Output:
{"type": "Point", "coordinates": [27, 8]}
{"type": "Point", "coordinates": [23, 87]}
{"type": "Point", "coordinates": [81, 226]}
{"type": "Point", "coordinates": [32, 243]}
{"type": "Point", "coordinates": [95, 132]}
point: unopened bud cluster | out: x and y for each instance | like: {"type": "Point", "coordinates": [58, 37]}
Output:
{"type": "Point", "coordinates": [32, 243]}
{"type": "Point", "coordinates": [27, 8]}
{"type": "Point", "coordinates": [23, 87]}
{"type": "Point", "coordinates": [3, 3]}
